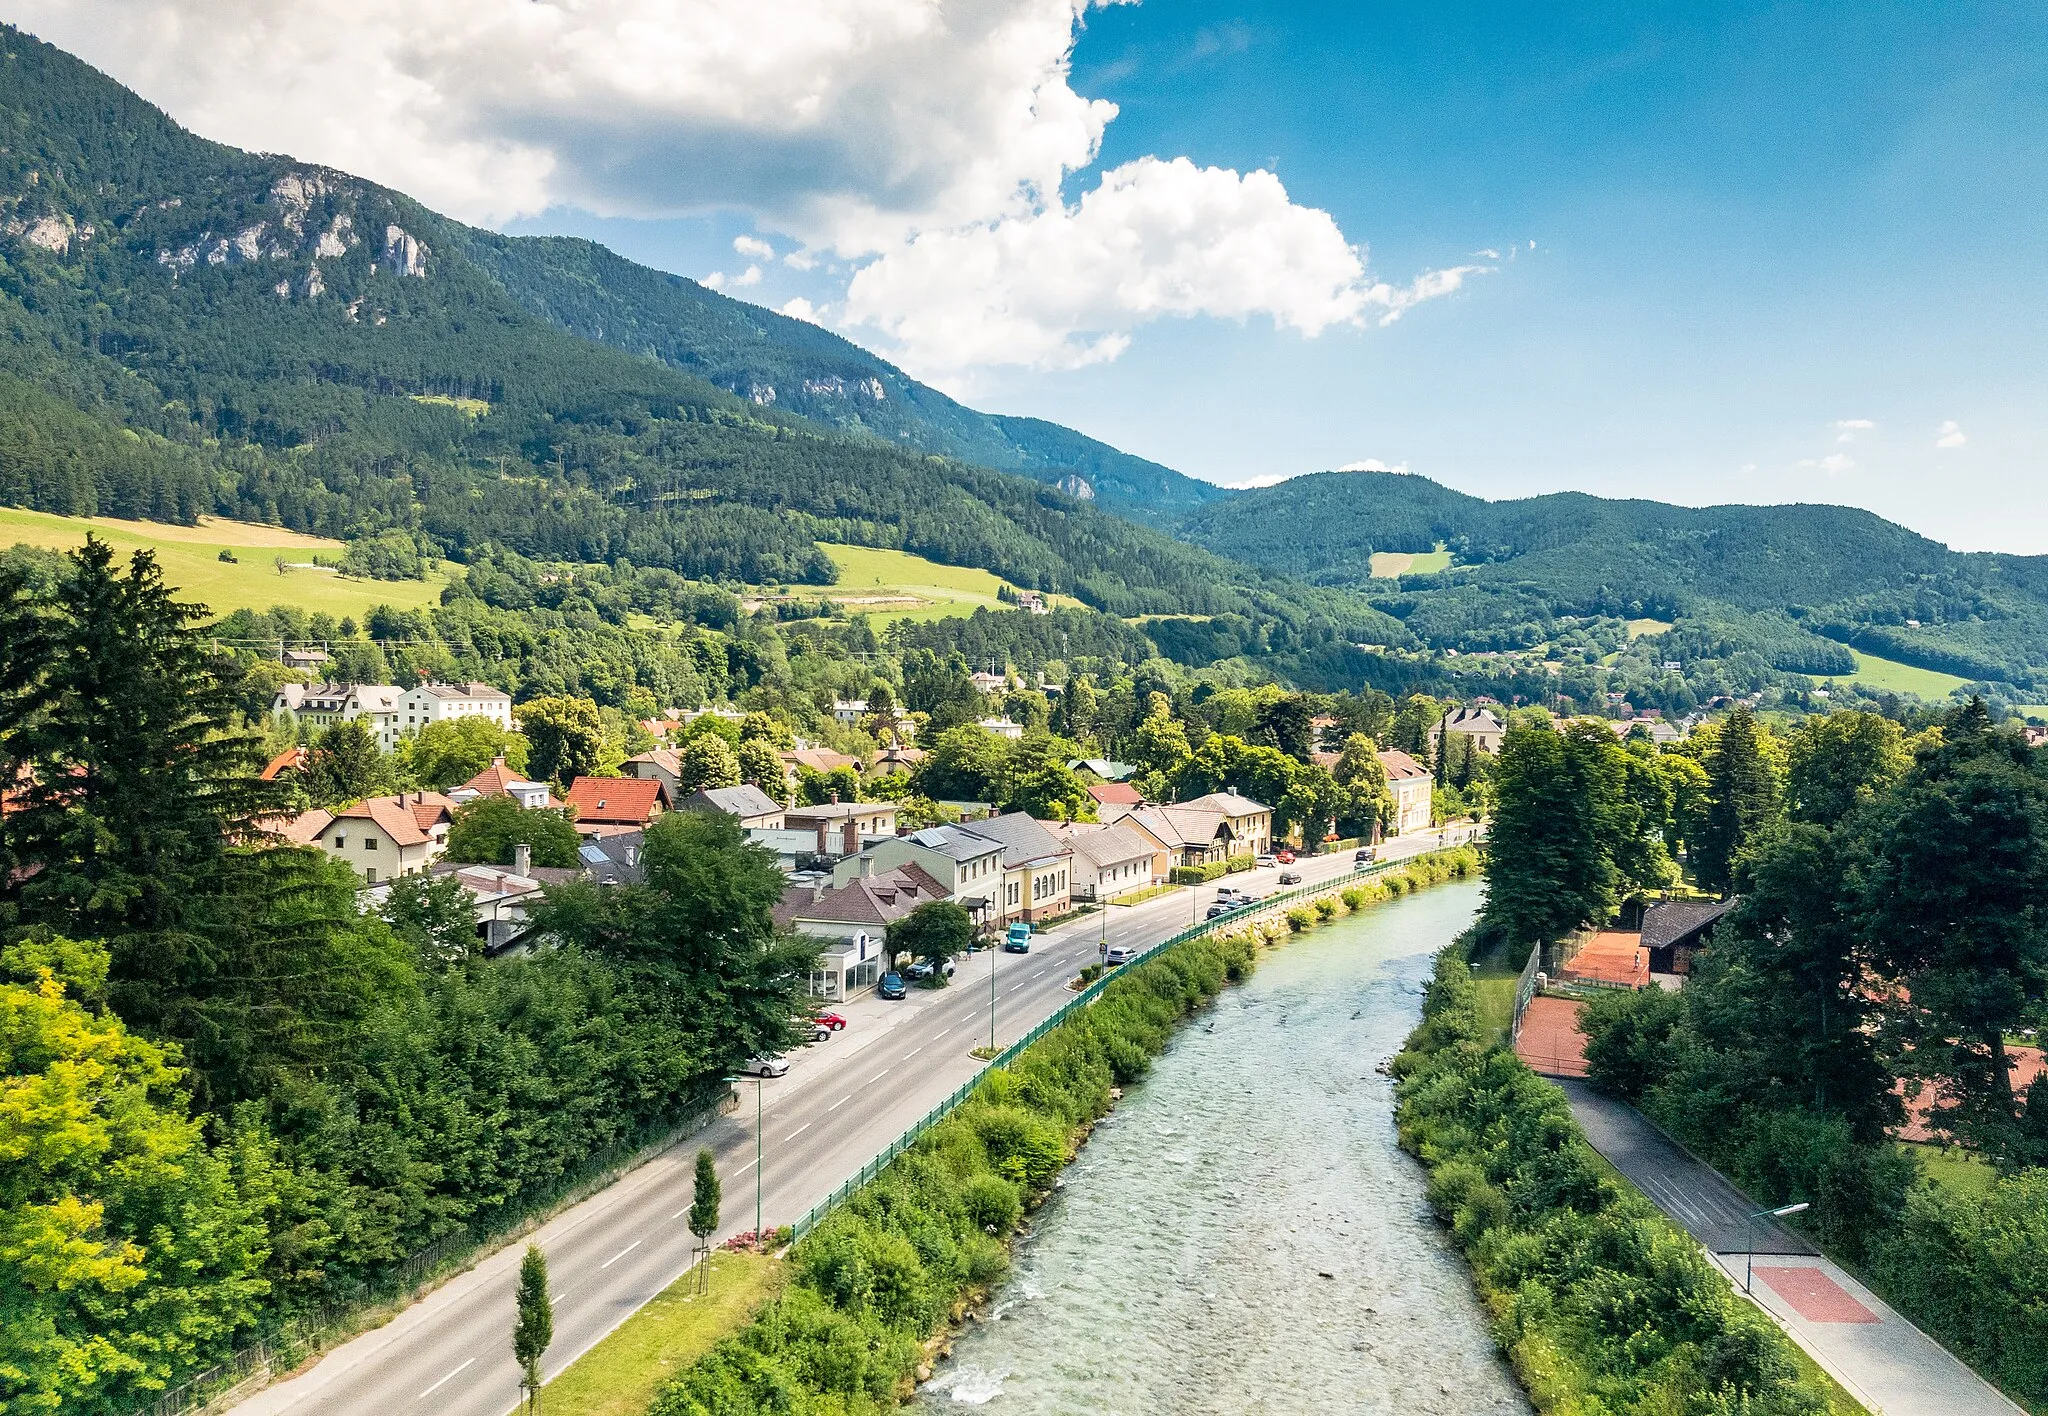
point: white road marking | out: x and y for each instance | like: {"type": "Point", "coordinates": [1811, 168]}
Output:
{"type": "Point", "coordinates": [450, 1377]}
{"type": "Point", "coordinates": [937, 1035]}
{"type": "Point", "coordinates": [883, 1073]}
{"type": "Point", "coordinates": [913, 1052]}
{"type": "Point", "coordinates": [620, 1255]}
{"type": "Point", "coordinates": [743, 1169]}
{"type": "Point", "coordinates": [680, 1213]}
{"type": "Point", "coordinates": [839, 1103]}
{"type": "Point", "coordinates": [797, 1132]}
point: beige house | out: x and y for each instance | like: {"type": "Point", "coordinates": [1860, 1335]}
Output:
{"type": "Point", "coordinates": [868, 818]}
{"type": "Point", "coordinates": [1250, 822]}
{"type": "Point", "coordinates": [968, 866]}
{"type": "Point", "coordinates": [1480, 725]}
{"type": "Point", "coordinates": [383, 838]}
{"type": "Point", "coordinates": [851, 920]}
{"type": "Point", "coordinates": [1411, 785]}
{"type": "Point", "coordinates": [445, 702]}
{"type": "Point", "coordinates": [1108, 860]}
{"type": "Point", "coordinates": [1036, 868]}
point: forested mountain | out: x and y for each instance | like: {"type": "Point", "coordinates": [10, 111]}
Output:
{"type": "Point", "coordinates": [778, 362]}
{"type": "Point", "coordinates": [1795, 582]}
{"type": "Point", "coordinates": [189, 328]}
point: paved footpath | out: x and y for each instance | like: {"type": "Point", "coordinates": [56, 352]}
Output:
{"type": "Point", "coordinates": [1885, 1362]}
{"type": "Point", "coordinates": [450, 1354]}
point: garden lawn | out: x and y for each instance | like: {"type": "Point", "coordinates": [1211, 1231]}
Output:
{"type": "Point", "coordinates": [190, 558]}
{"type": "Point", "coordinates": [621, 1375]}
{"type": "Point", "coordinates": [1958, 1171]}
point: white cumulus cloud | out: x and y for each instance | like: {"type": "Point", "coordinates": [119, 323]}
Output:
{"type": "Point", "coordinates": [1950, 434]}
{"type": "Point", "coordinates": [1372, 464]}
{"type": "Point", "coordinates": [1846, 429]}
{"type": "Point", "coordinates": [1834, 464]}
{"type": "Point", "coordinates": [916, 147]}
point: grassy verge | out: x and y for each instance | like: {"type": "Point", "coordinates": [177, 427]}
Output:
{"type": "Point", "coordinates": [1601, 1304]}
{"type": "Point", "coordinates": [623, 1373]}
{"type": "Point", "coordinates": [875, 1286]}
{"type": "Point", "coordinates": [1962, 1173]}
{"type": "Point", "coordinates": [1150, 892]}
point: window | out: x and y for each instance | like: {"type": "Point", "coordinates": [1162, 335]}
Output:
{"type": "Point", "coordinates": [370, 875]}
{"type": "Point", "coordinates": [369, 843]}
{"type": "Point", "coordinates": [341, 843]}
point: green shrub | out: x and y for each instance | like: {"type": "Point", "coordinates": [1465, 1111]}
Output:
{"type": "Point", "coordinates": [1300, 918]}
{"type": "Point", "coordinates": [1238, 863]}
{"type": "Point", "coordinates": [1326, 908]}
{"type": "Point", "coordinates": [1354, 899]}
{"type": "Point", "coordinates": [1196, 874]}
{"type": "Point", "coordinates": [992, 1203]}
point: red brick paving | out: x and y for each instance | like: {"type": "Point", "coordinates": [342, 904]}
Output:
{"type": "Point", "coordinates": [1551, 1042]}
{"type": "Point", "coordinates": [1816, 1297]}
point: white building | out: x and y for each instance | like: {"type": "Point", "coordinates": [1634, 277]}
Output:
{"type": "Point", "coordinates": [847, 712]}
{"type": "Point", "coordinates": [322, 705]}
{"type": "Point", "coordinates": [443, 702]}
{"type": "Point", "coordinates": [1412, 785]}
{"type": "Point", "coordinates": [380, 839]}
{"type": "Point", "coordinates": [1003, 728]}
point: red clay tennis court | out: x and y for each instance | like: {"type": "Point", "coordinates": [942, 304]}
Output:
{"type": "Point", "coordinates": [2026, 1064]}
{"type": "Point", "coordinates": [1610, 957]}
{"type": "Point", "coordinates": [1550, 1040]}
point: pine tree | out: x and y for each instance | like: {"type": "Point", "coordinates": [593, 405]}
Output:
{"type": "Point", "coordinates": [1743, 798]}
{"type": "Point", "coordinates": [704, 1199]}
{"type": "Point", "coordinates": [535, 1327]}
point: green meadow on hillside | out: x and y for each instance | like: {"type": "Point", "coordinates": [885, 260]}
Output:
{"type": "Point", "coordinates": [1392, 565]}
{"type": "Point", "coordinates": [1891, 676]}
{"type": "Point", "coordinates": [190, 557]}
{"type": "Point", "coordinates": [896, 585]}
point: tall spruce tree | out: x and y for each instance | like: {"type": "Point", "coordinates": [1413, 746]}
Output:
{"type": "Point", "coordinates": [1743, 799]}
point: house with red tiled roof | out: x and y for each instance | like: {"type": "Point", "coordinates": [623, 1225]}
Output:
{"type": "Point", "coordinates": [292, 759]}
{"type": "Point", "coordinates": [852, 921]}
{"type": "Point", "coordinates": [606, 806]}
{"type": "Point", "coordinates": [499, 779]}
{"type": "Point", "coordinates": [1114, 799]}
{"type": "Point", "coordinates": [382, 838]}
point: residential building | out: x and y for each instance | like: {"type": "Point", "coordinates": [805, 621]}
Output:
{"type": "Point", "coordinates": [852, 920]}
{"type": "Point", "coordinates": [1184, 835]}
{"type": "Point", "coordinates": [815, 759]}
{"type": "Point", "coordinates": [380, 839]}
{"type": "Point", "coordinates": [614, 859]}
{"type": "Point", "coordinates": [499, 779]}
{"type": "Point", "coordinates": [1003, 728]}
{"type": "Point", "coordinates": [1108, 860]}
{"type": "Point", "coordinates": [969, 866]}
{"type": "Point", "coordinates": [847, 712]}
{"type": "Point", "coordinates": [988, 683]}
{"type": "Point", "coordinates": [1250, 822]}
{"type": "Point", "coordinates": [1411, 785]}
{"type": "Point", "coordinates": [304, 660]}
{"type": "Point", "coordinates": [1114, 800]}
{"type": "Point", "coordinates": [663, 765]}
{"type": "Point", "coordinates": [606, 806]}
{"type": "Point", "coordinates": [445, 702]}
{"type": "Point", "coordinates": [1036, 868]}
{"type": "Point", "coordinates": [896, 759]}
{"type": "Point", "coordinates": [1103, 768]}
{"type": "Point", "coordinates": [1673, 930]}
{"type": "Point", "coordinates": [755, 809]}
{"type": "Point", "coordinates": [1479, 724]}
{"type": "Point", "coordinates": [322, 705]}
{"type": "Point", "coordinates": [867, 818]}
{"type": "Point", "coordinates": [292, 759]}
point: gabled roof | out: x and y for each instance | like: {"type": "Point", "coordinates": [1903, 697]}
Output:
{"type": "Point", "coordinates": [866, 899]}
{"type": "Point", "coordinates": [1177, 826]}
{"type": "Point", "coordinates": [408, 820]}
{"type": "Point", "coordinates": [292, 759]}
{"type": "Point", "coordinates": [837, 811]}
{"type": "Point", "coordinates": [1116, 794]}
{"type": "Point", "coordinates": [615, 800]}
{"type": "Point", "coordinates": [613, 859]}
{"type": "Point", "coordinates": [818, 759]}
{"type": "Point", "coordinates": [955, 842]}
{"type": "Point", "coordinates": [664, 758]}
{"type": "Point", "coordinates": [498, 779]}
{"type": "Point", "coordinates": [1103, 845]}
{"type": "Point", "coordinates": [1400, 766]}
{"type": "Point", "coordinates": [743, 800]}
{"type": "Point", "coordinates": [1102, 767]}
{"type": "Point", "coordinates": [1673, 921]}
{"type": "Point", "coordinates": [1023, 839]}
{"type": "Point", "coordinates": [462, 690]}
{"type": "Point", "coordinates": [1472, 720]}
{"type": "Point", "coordinates": [305, 828]}
{"type": "Point", "coordinates": [1229, 803]}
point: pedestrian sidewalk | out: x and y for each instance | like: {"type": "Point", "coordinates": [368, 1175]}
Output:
{"type": "Point", "coordinates": [1883, 1361]}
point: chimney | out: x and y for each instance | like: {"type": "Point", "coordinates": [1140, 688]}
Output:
{"type": "Point", "coordinates": [850, 837]}
{"type": "Point", "coordinates": [824, 839]}
{"type": "Point", "coordinates": [522, 859]}
{"type": "Point", "coordinates": [867, 865]}
{"type": "Point", "coordinates": [835, 798]}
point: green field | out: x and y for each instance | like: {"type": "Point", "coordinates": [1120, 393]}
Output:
{"type": "Point", "coordinates": [190, 557]}
{"type": "Point", "coordinates": [895, 585]}
{"type": "Point", "coordinates": [1392, 565]}
{"type": "Point", "coordinates": [1644, 628]}
{"type": "Point", "coordinates": [1891, 676]}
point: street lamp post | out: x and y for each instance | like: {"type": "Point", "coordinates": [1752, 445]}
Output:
{"type": "Point", "coordinates": [992, 952]}
{"type": "Point", "coordinates": [1749, 1239]}
{"type": "Point", "coordinates": [757, 1150]}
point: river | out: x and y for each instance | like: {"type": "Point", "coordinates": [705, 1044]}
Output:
{"type": "Point", "coordinates": [1242, 1234]}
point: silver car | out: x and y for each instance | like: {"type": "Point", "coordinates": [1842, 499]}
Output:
{"type": "Point", "coordinates": [764, 1067]}
{"type": "Point", "coordinates": [1120, 954]}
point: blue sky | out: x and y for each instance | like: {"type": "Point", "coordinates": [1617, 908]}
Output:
{"type": "Point", "coordinates": [1751, 223]}
{"type": "Point", "coordinates": [1741, 251]}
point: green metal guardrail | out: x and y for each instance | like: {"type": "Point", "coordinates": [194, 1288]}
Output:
{"type": "Point", "coordinates": [1082, 999]}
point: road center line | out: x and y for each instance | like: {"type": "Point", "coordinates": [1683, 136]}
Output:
{"type": "Point", "coordinates": [620, 1255]}
{"type": "Point", "coordinates": [913, 1052]}
{"type": "Point", "coordinates": [797, 1132]}
{"type": "Point", "coordinates": [937, 1035]}
{"type": "Point", "coordinates": [743, 1169]}
{"type": "Point", "coordinates": [450, 1377]}
{"type": "Point", "coordinates": [839, 1103]}
{"type": "Point", "coordinates": [883, 1073]}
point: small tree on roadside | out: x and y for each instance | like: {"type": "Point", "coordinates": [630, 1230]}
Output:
{"type": "Point", "coordinates": [934, 931]}
{"type": "Point", "coordinates": [704, 1211]}
{"type": "Point", "coordinates": [535, 1327]}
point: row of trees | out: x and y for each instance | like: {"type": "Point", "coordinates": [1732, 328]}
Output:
{"type": "Point", "coordinates": [238, 1095]}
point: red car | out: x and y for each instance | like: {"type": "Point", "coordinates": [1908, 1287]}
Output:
{"type": "Point", "coordinates": [832, 1021]}
{"type": "Point", "coordinates": [1285, 857]}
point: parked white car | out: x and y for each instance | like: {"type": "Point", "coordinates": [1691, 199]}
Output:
{"type": "Point", "coordinates": [764, 1067]}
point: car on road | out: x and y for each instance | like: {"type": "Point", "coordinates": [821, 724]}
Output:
{"type": "Point", "coordinates": [1363, 858]}
{"type": "Point", "coordinates": [764, 1067]}
{"type": "Point", "coordinates": [1290, 877]}
{"type": "Point", "coordinates": [922, 970]}
{"type": "Point", "coordinates": [1018, 940]}
{"type": "Point", "coordinates": [1265, 861]}
{"type": "Point", "coordinates": [1218, 909]}
{"type": "Point", "coordinates": [1120, 954]}
{"type": "Point", "coordinates": [832, 1020]}
{"type": "Point", "coordinates": [1285, 857]}
{"type": "Point", "coordinates": [892, 987]}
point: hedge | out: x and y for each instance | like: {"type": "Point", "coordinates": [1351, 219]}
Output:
{"type": "Point", "coordinates": [1601, 1303]}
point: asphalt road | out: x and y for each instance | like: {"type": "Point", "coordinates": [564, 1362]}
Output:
{"type": "Point", "coordinates": [450, 1354]}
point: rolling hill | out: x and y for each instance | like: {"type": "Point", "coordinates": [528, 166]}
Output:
{"type": "Point", "coordinates": [1797, 583]}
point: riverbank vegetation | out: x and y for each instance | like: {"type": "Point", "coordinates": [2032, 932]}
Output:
{"type": "Point", "coordinates": [882, 1274]}
{"type": "Point", "coordinates": [1601, 1304]}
